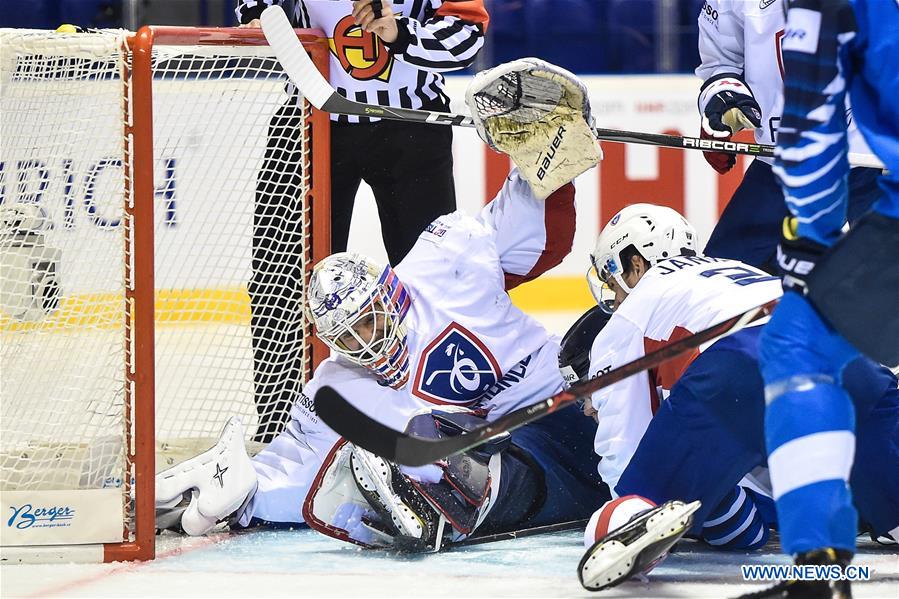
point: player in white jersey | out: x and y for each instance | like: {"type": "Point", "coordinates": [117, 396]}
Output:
{"type": "Point", "coordinates": [742, 70]}
{"type": "Point", "coordinates": [395, 60]}
{"type": "Point", "coordinates": [692, 429]}
{"type": "Point", "coordinates": [432, 344]}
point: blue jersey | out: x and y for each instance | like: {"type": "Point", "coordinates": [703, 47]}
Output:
{"type": "Point", "coordinates": [831, 49]}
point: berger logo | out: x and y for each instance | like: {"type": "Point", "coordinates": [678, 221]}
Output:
{"type": "Point", "coordinates": [547, 159]}
{"type": "Point", "coordinates": [30, 516]}
{"type": "Point", "coordinates": [456, 368]}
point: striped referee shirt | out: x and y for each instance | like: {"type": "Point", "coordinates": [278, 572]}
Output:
{"type": "Point", "coordinates": [434, 36]}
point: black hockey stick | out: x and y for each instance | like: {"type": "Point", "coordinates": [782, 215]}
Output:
{"type": "Point", "coordinates": [517, 534]}
{"type": "Point", "coordinates": [303, 73]}
{"type": "Point", "coordinates": [363, 430]}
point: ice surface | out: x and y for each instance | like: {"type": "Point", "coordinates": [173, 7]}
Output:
{"type": "Point", "coordinates": [302, 563]}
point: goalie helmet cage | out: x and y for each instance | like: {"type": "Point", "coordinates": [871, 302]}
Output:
{"type": "Point", "coordinates": [157, 160]}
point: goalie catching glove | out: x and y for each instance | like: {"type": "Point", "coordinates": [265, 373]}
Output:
{"type": "Point", "coordinates": [363, 499]}
{"type": "Point", "coordinates": [538, 114]}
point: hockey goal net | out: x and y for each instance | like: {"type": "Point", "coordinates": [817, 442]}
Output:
{"type": "Point", "coordinates": [163, 196]}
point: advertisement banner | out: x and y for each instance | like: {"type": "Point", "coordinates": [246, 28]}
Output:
{"type": "Point", "coordinates": [61, 517]}
{"type": "Point", "coordinates": [81, 193]}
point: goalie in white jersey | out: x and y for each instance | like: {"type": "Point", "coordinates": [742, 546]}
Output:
{"type": "Point", "coordinates": [434, 344]}
{"type": "Point", "coordinates": [742, 70]}
{"type": "Point", "coordinates": [691, 430]}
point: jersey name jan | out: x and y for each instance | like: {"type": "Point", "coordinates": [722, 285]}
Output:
{"type": "Point", "coordinates": [672, 265]}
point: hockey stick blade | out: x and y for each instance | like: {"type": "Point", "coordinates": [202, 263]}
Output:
{"type": "Point", "coordinates": [302, 72]}
{"type": "Point", "coordinates": [366, 432]}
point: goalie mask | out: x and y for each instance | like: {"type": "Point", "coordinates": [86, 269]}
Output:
{"type": "Point", "coordinates": [358, 308]}
{"type": "Point", "coordinates": [656, 232]}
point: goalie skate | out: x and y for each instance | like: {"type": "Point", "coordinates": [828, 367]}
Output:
{"type": "Point", "coordinates": [636, 546]}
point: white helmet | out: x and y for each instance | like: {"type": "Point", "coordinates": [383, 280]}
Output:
{"type": "Point", "coordinates": [347, 290]}
{"type": "Point", "coordinates": [656, 232]}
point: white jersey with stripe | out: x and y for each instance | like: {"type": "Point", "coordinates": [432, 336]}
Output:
{"type": "Point", "coordinates": [468, 345]}
{"type": "Point", "coordinates": [675, 298]}
{"type": "Point", "coordinates": [435, 36]}
{"type": "Point", "coordinates": [744, 37]}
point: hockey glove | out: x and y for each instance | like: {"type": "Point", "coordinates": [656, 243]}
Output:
{"type": "Point", "coordinates": [796, 257]}
{"type": "Point", "coordinates": [538, 114]}
{"type": "Point", "coordinates": [727, 106]}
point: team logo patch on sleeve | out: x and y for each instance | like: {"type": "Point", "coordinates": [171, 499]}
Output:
{"type": "Point", "coordinates": [455, 368]}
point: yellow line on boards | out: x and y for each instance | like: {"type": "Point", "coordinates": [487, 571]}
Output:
{"type": "Point", "coordinates": [104, 311]}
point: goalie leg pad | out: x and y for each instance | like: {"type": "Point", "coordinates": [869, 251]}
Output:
{"type": "Point", "coordinates": [635, 547]}
{"type": "Point", "coordinates": [411, 521]}
{"type": "Point", "coordinates": [856, 287]}
{"type": "Point", "coordinates": [336, 507]}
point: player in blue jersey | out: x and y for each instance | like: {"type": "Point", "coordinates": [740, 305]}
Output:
{"type": "Point", "coordinates": [842, 291]}
{"type": "Point", "coordinates": [704, 411]}
{"type": "Point", "coordinates": [742, 72]}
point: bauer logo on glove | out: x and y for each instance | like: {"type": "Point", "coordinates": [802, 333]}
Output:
{"type": "Point", "coordinates": [538, 114]}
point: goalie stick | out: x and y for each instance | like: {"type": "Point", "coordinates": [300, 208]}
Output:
{"type": "Point", "coordinates": [366, 432]}
{"type": "Point", "coordinates": [303, 73]}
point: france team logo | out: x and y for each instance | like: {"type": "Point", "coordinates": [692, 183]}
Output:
{"type": "Point", "coordinates": [455, 368]}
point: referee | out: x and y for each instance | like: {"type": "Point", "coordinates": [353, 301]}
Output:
{"type": "Point", "coordinates": [391, 54]}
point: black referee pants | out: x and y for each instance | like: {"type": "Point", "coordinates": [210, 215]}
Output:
{"type": "Point", "coordinates": [410, 168]}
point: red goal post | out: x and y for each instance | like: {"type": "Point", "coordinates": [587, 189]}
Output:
{"type": "Point", "coordinates": [178, 243]}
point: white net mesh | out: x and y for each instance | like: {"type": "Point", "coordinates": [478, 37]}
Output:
{"type": "Point", "coordinates": [232, 156]}
{"type": "Point", "coordinates": [63, 375]}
